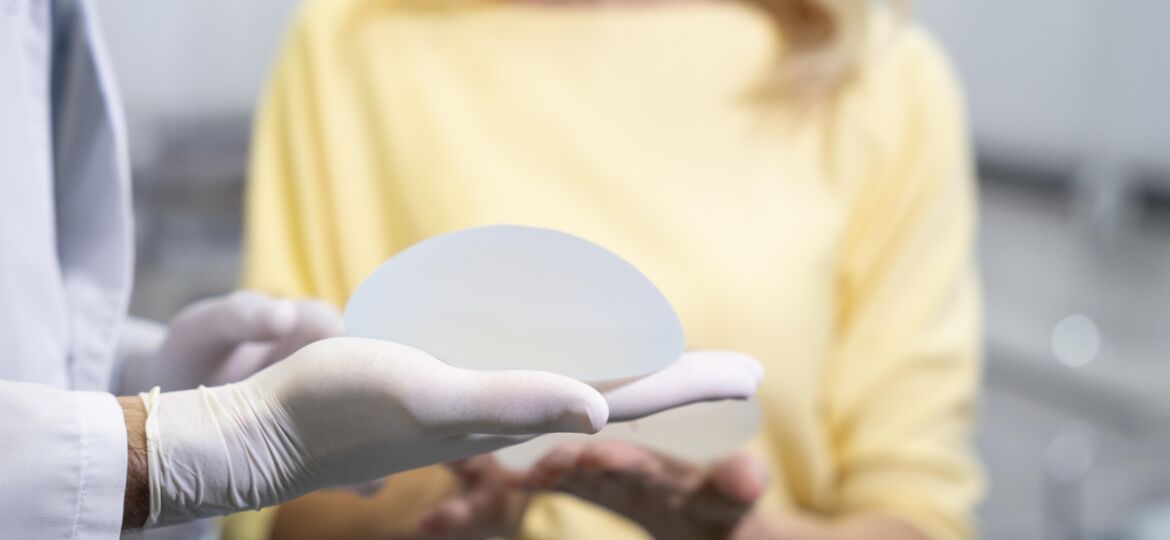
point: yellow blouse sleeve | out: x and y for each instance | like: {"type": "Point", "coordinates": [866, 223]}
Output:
{"type": "Point", "coordinates": [281, 210]}
{"type": "Point", "coordinates": [287, 217]}
{"type": "Point", "coordinates": [905, 367]}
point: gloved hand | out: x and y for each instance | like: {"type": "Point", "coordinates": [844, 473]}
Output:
{"type": "Point", "coordinates": [225, 339]}
{"type": "Point", "coordinates": [338, 412]}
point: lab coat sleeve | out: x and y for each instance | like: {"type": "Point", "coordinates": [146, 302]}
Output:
{"type": "Point", "coordinates": [62, 463]}
{"type": "Point", "coordinates": [905, 369]}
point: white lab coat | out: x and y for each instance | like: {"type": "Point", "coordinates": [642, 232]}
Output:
{"type": "Point", "coordinates": [65, 259]}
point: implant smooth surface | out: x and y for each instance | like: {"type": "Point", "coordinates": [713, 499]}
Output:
{"type": "Point", "coordinates": [506, 297]}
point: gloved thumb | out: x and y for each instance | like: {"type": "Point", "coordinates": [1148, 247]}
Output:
{"type": "Point", "coordinates": [521, 402]}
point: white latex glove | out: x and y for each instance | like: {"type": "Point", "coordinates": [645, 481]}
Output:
{"type": "Point", "coordinates": [695, 377]}
{"type": "Point", "coordinates": [227, 338]}
{"type": "Point", "coordinates": [338, 412]}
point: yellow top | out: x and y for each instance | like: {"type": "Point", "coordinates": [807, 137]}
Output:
{"type": "Point", "coordinates": [830, 241]}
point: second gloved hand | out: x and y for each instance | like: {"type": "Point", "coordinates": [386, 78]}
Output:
{"type": "Point", "coordinates": [225, 339]}
{"type": "Point", "coordinates": [338, 412]}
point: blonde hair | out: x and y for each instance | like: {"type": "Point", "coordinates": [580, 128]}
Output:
{"type": "Point", "coordinates": [824, 41]}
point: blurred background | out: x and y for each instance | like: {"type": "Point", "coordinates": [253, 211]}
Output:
{"type": "Point", "coordinates": [1068, 106]}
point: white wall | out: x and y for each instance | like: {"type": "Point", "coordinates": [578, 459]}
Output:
{"type": "Point", "coordinates": [183, 59]}
{"type": "Point", "coordinates": [1051, 80]}
{"type": "Point", "coordinates": [1063, 79]}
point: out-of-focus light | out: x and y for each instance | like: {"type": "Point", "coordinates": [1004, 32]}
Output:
{"type": "Point", "coordinates": [1071, 453]}
{"type": "Point", "coordinates": [1076, 340]}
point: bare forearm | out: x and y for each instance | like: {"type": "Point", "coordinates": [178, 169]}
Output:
{"type": "Point", "coordinates": [136, 505]}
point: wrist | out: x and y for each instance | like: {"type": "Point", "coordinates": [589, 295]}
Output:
{"type": "Point", "coordinates": [136, 503]}
{"type": "Point", "coordinates": [225, 452]}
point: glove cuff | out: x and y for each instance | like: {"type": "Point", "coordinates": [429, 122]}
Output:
{"type": "Point", "coordinates": [150, 402]}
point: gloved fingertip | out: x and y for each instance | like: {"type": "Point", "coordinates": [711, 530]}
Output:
{"type": "Point", "coordinates": [748, 384]}
{"type": "Point", "coordinates": [739, 360]}
{"type": "Point", "coordinates": [589, 415]}
{"type": "Point", "coordinates": [750, 365]}
{"type": "Point", "coordinates": [319, 318]}
{"type": "Point", "coordinates": [579, 408]}
{"type": "Point", "coordinates": [753, 366]}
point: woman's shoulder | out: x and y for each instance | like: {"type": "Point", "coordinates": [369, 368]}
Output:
{"type": "Point", "coordinates": [903, 71]}
{"type": "Point", "coordinates": [903, 102]}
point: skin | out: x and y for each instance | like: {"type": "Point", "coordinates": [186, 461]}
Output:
{"type": "Point", "coordinates": [668, 497]}
{"type": "Point", "coordinates": [490, 504]}
{"type": "Point", "coordinates": [136, 503]}
{"type": "Point", "coordinates": [393, 513]}
{"type": "Point", "coordinates": [672, 498]}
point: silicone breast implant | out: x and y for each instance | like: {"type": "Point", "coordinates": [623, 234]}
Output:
{"type": "Point", "coordinates": [506, 297]}
{"type": "Point", "coordinates": [509, 297]}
